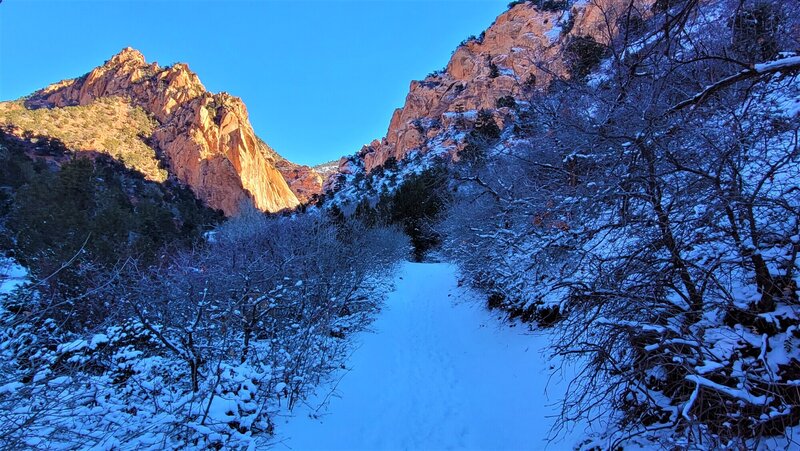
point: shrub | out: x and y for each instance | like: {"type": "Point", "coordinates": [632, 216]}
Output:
{"type": "Point", "coordinates": [255, 319]}
{"type": "Point", "coordinates": [85, 212]}
{"type": "Point", "coordinates": [583, 54]}
{"type": "Point", "coordinates": [480, 138]}
{"type": "Point", "coordinates": [494, 71]}
{"type": "Point", "coordinates": [485, 125]}
{"type": "Point", "coordinates": [553, 5]}
{"type": "Point", "coordinates": [506, 102]}
{"type": "Point", "coordinates": [390, 164]}
{"type": "Point", "coordinates": [469, 39]}
{"type": "Point", "coordinates": [436, 73]}
{"type": "Point", "coordinates": [661, 6]}
{"type": "Point", "coordinates": [631, 24]}
{"type": "Point", "coordinates": [543, 5]}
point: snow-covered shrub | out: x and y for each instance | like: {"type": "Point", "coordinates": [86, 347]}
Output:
{"type": "Point", "coordinates": [203, 347]}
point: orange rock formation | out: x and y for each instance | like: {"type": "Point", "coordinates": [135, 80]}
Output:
{"type": "Point", "coordinates": [206, 139]}
{"type": "Point", "coordinates": [522, 50]}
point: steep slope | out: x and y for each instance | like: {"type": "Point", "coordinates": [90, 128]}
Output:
{"type": "Point", "coordinates": [205, 139]}
{"type": "Point", "coordinates": [521, 52]}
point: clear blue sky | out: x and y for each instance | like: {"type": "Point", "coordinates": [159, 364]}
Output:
{"type": "Point", "coordinates": [320, 79]}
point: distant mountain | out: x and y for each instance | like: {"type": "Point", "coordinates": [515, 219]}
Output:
{"type": "Point", "coordinates": [163, 123]}
{"type": "Point", "coordinates": [326, 169]}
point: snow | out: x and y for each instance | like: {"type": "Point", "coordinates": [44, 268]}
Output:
{"type": "Point", "coordinates": [99, 339]}
{"type": "Point", "coordinates": [738, 394]}
{"type": "Point", "coordinates": [11, 387]}
{"type": "Point", "coordinates": [12, 275]}
{"type": "Point", "coordinates": [554, 33]}
{"type": "Point", "coordinates": [507, 71]}
{"type": "Point", "coordinates": [73, 346]}
{"type": "Point", "coordinates": [785, 63]}
{"type": "Point", "coordinates": [784, 101]}
{"type": "Point", "coordinates": [438, 372]}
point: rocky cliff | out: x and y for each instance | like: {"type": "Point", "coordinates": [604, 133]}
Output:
{"type": "Point", "coordinates": [523, 50]}
{"type": "Point", "coordinates": [304, 181]}
{"type": "Point", "coordinates": [205, 139]}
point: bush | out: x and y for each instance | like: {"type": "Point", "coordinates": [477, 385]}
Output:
{"type": "Point", "coordinates": [390, 164]}
{"type": "Point", "coordinates": [662, 6]}
{"type": "Point", "coordinates": [631, 24]}
{"type": "Point", "coordinates": [250, 322]}
{"type": "Point", "coordinates": [506, 102]}
{"type": "Point", "coordinates": [494, 71]}
{"type": "Point", "coordinates": [93, 214]}
{"type": "Point", "coordinates": [436, 73]}
{"type": "Point", "coordinates": [480, 138]}
{"type": "Point", "coordinates": [553, 5]}
{"type": "Point", "coordinates": [543, 5]}
{"type": "Point", "coordinates": [583, 55]}
{"type": "Point", "coordinates": [486, 126]}
{"type": "Point", "coordinates": [469, 39]}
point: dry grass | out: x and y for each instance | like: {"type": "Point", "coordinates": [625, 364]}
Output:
{"type": "Point", "coordinates": [108, 125]}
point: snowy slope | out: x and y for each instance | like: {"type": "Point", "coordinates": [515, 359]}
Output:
{"type": "Point", "coordinates": [438, 373]}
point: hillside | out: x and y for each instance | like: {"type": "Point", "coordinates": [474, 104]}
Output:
{"type": "Point", "coordinates": [304, 181]}
{"type": "Point", "coordinates": [485, 87]}
{"type": "Point", "coordinates": [109, 125]}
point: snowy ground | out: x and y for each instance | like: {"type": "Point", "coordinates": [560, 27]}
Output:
{"type": "Point", "coordinates": [11, 275]}
{"type": "Point", "coordinates": [440, 372]}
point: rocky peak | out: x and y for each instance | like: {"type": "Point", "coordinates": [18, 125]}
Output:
{"type": "Point", "coordinates": [521, 51]}
{"type": "Point", "coordinates": [206, 139]}
{"type": "Point", "coordinates": [125, 55]}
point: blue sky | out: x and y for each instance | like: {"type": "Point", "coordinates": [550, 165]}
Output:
{"type": "Point", "coordinates": [320, 79]}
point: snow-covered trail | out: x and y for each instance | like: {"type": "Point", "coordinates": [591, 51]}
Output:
{"type": "Point", "coordinates": [440, 372]}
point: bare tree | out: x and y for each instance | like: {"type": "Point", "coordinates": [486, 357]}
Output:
{"type": "Point", "coordinates": [655, 210]}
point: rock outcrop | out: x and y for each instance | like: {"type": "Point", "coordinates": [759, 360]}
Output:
{"type": "Point", "coordinates": [304, 181]}
{"type": "Point", "coordinates": [205, 139]}
{"type": "Point", "coordinates": [523, 50]}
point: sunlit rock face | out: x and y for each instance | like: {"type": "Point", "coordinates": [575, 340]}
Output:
{"type": "Point", "coordinates": [205, 139]}
{"type": "Point", "coordinates": [304, 181]}
{"type": "Point", "coordinates": [522, 51]}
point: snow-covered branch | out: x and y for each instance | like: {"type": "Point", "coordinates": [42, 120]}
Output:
{"type": "Point", "coordinates": [758, 70]}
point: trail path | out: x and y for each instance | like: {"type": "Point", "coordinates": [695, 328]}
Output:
{"type": "Point", "coordinates": [439, 372]}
